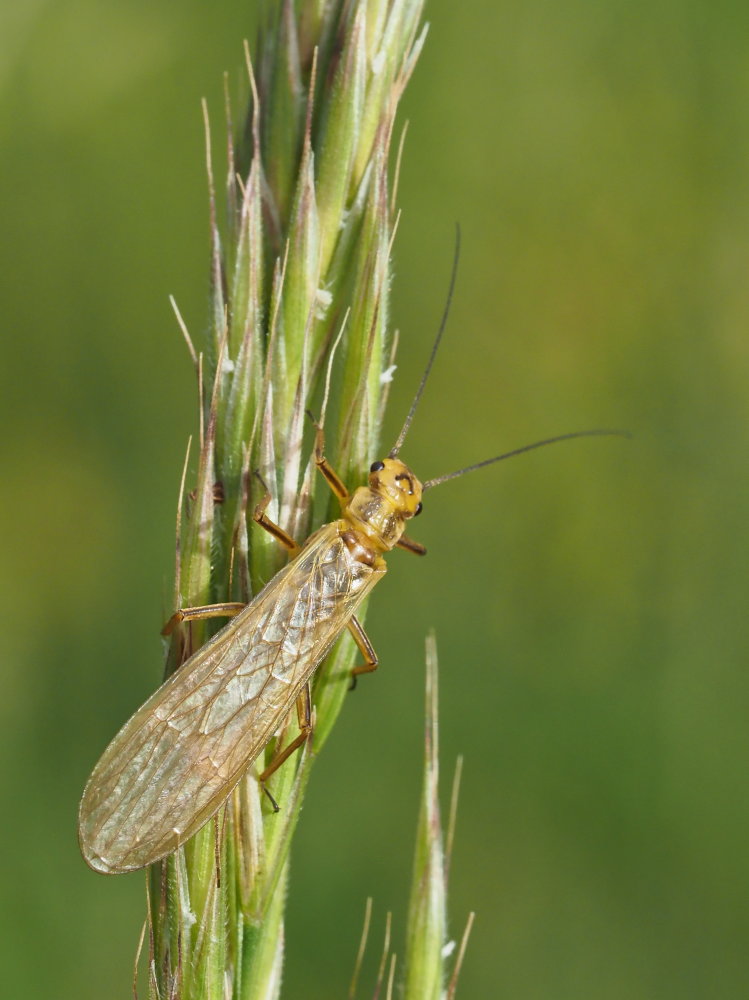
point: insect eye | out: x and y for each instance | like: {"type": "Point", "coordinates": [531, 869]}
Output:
{"type": "Point", "coordinates": [376, 466]}
{"type": "Point", "coordinates": [419, 508]}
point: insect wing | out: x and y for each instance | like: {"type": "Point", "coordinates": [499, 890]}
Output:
{"type": "Point", "coordinates": [174, 763]}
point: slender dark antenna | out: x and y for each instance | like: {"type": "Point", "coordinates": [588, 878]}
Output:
{"type": "Point", "coordinates": [404, 430]}
{"type": "Point", "coordinates": [519, 451]}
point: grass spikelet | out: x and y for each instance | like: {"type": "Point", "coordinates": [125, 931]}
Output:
{"type": "Point", "coordinates": [302, 262]}
{"type": "Point", "coordinates": [428, 956]}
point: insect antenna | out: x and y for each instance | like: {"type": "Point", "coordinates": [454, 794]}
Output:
{"type": "Point", "coordinates": [519, 451]}
{"type": "Point", "coordinates": [443, 323]}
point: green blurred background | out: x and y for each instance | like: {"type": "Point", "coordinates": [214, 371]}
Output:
{"type": "Point", "coordinates": [589, 600]}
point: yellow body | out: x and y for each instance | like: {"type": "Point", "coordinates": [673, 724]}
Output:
{"type": "Point", "coordinates": [177, 759]}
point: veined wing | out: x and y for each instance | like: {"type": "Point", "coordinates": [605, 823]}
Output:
{"type": "Point", "coordinates": [174, 763]}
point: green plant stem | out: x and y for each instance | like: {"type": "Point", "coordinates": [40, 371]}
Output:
{"type": "Point", "coordinates": [304, 254]}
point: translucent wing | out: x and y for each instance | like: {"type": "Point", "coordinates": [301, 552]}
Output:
{"type": "Point", "coordinates": [174, 763]}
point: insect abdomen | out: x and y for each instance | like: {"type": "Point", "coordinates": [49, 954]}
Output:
{"type": "Point", "coordinates": [175, 762]}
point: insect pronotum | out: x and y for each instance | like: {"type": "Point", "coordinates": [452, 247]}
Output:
{"type": "Point", "coordinates": [177, 759]}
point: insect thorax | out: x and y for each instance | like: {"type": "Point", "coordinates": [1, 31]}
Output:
{"type": "Point", "coordinates": [375, 516]}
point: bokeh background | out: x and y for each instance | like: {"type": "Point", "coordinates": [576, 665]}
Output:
{"type": "Point", "coordinates": [589, 600]}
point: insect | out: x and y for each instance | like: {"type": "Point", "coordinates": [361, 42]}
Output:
{"type": "Point", "coordinates": [176, 761]}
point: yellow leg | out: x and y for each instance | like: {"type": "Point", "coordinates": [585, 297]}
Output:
{"type": "Point", "coordinates": [304, 718]}
{"type": "Point", "coordinates": [371, 660]}
{"type": "Point", "coordinates": [226, 610]}
{"type": "Point", "coordinates": [333, 479]}
{"type": "Point", "coordinates": [261, 518]}
{"type": "Point", "coordinates": [411, 546]}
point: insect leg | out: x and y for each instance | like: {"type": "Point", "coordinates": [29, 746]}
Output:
{"type": "Point", "coordinates": [333, 479]}
{"type": "Point", "coordinates": [361, 639]}
{"type": "Point", "coordinates": [226, 610]}
{"type": "Point", "coordinates": [271, 527]}
{"type": "Point", "coordinates": [304, 718]}
{"type": "Point", "coordinates": [411, 546]}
